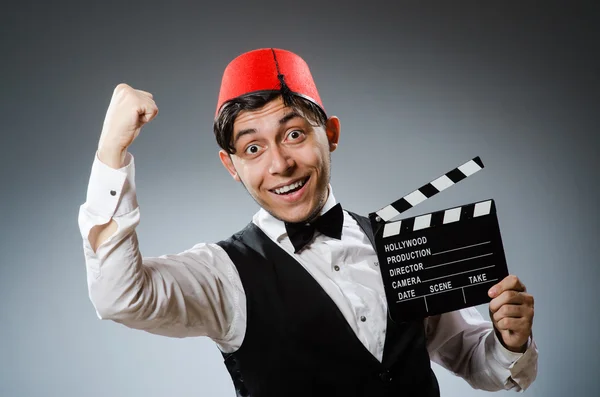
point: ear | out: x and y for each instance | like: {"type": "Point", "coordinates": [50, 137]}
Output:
{"type": "Point", "coordinates": [228, 164]}
{"type": "Point", "coordinates": [332, 129]}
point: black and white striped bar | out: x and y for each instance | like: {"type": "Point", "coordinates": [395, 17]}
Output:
{"type": "Point", "coordinates": [432, 188]}
{"type": "Point", "coordinates": [441, 261]}
{"type": "Point", "coordinates": [448, 216]}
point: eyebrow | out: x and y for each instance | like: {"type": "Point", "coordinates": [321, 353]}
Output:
{"type": "Point", "coordinates": [292, 115]}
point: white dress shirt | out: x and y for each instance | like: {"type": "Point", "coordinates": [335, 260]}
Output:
{"type": "Point", "coordinates": [198, 292]}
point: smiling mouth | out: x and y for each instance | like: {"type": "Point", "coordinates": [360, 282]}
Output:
{"type": "Point", "coordinates": [291, 188]}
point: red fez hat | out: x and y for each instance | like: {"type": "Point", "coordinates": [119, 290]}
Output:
{"type": "Point", "coordinates": [267, 69]}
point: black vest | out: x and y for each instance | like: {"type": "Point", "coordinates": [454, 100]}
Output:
{"type": "Point", "coordinates": [298, 343]}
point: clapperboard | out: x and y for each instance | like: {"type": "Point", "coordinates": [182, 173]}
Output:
{"type": "Point", "coordinates": [442, 261]}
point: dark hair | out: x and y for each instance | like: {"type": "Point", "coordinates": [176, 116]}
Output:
{"type": "Point", "coordinates": [223, 125]}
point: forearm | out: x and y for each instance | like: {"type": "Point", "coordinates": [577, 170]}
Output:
{"type": "Point", "coordinates": [115, 270]}
{"type": "Point", "coordinates": [115, 159]}
{"type": "Point", "coordinates": [101, 233]}
{"type": "Point", "coordinates": [192, 293]}
{"type": "Point", "coordinates": [466, 345]}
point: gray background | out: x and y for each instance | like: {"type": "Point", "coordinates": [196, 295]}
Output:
{"type": "Point", "coordinates": [419, 90]}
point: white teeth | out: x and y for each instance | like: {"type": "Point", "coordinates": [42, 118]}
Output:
{"type": "Point", "coordinates": [287, 188]}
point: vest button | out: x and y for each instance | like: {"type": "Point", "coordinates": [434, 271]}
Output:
{"type": "Point", "coordinates": [363, 318]}
{"type": "Point", "coordinates": [385, 376]}
{"type": "Point", "coordinates": [336, 268]}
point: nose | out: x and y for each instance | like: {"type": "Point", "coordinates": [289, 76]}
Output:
{"type": "Point", "coordinates": [281, 162]}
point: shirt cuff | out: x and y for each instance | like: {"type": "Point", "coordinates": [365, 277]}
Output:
{"type": "Point", "coordinates": [503, 355]}
{"type": "Point", "coordinates": [522, 366]}
{"type": "Point", "coordinates": [524, 369]}
{"type": "Point", "coordinates": [111, 192]}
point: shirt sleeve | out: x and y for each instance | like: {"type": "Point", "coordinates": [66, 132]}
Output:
{"type": "Point", "coordinates": [197, 292]}
{"type": "Point", "coordinates": [466, 344]}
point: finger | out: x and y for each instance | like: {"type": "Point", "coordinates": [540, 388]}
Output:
{"type": "Point", "coordinates": [147, 111]}
{"type": "Point", "coordinates": [150, 114]}
{"type": "Point", "coordinates": [520, 324]}
{"type": "Point", "coordinates": [510, 282]}
{"type": "Point", "coordinates": [514, 311]}
{"type": "Point", "coordinates": [145, 93]}
{"type": "Point", "coordinates": [507, 323]}
{"type": "Point", "coordinates": [507, 297]}
{"type": "Point", "coordinates": [511, 298]}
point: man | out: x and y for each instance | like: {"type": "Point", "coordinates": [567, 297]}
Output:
{"type": "Point", "coordinates": [295, 300]}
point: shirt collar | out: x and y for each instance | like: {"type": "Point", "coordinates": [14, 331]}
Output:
{"type": "Point", "coordinates": [275, 229]}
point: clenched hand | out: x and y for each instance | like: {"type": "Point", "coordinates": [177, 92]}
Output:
{"type": "Point", "coordinates": [127, 113]}
{"type": "Point", "coordinates": [511, 312]}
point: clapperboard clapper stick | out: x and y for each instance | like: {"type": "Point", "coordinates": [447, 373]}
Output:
{"type": "Point", "coordinates": [442, 261]}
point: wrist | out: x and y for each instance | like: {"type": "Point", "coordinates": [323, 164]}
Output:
{"type": "Point", "coordinates": [113, 157]}
{"type": "Point", "coordinates": [520, 349]}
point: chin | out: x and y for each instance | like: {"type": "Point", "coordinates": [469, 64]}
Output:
{"type": "Point", "coordinates": [290, 215]}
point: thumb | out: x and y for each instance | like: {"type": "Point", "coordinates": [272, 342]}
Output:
{"type": "Point", "coordinates": [147, 113]}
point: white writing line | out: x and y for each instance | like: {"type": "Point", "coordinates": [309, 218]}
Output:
{"type": "Point", "coordinates": [461, 248]}
{"type": "Point", "coordinates": [426, 308]}
{"type": "Point", "coordinates": [441, 292]}
{"type": "Point", "coordinates": [460, 260]}
{"type": "Point", "coordinates": [464, 298]}
{"type": "Point", "coordinates": [455, 274]}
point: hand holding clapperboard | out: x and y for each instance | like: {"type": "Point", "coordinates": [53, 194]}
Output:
{"type": "Point", "coordinates": [448, 260]}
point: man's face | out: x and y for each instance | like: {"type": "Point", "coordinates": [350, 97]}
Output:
{"type": "Point", "coordinates": [282, 160]}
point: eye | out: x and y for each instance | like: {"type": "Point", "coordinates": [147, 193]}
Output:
{"type": "Point", "coordinates": [295, 135]}
{"type": "Point", "coordinates": [252, 149]}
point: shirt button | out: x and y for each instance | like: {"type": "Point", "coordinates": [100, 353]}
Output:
{"type": "Point", "coordinates": [112, 193]}
{"type": "Point", "coordinates": [363, 318]}
{"type": "Point", "coordinates": [336, 268]}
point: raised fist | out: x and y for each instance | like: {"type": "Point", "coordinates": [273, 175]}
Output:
{"type": "Point", "coordinates": [127, 113]}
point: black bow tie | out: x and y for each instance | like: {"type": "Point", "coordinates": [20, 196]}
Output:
{"type": "Point", "coordinates": [330, 224]}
